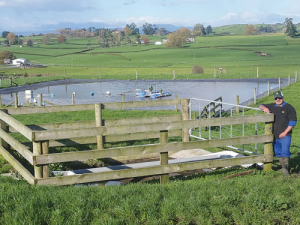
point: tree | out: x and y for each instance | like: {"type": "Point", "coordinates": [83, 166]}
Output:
{"type": "Point", "coordinates": [146, 41]}
{"type": "Point", "coordinates": [250, 30]}
{"type": "Point", "coordinates": [162, 32]}
{"type": "Point", "coordinates": [29, 43]}
{"type": "Point", "coordinates": [133, 29]}
{"type": "Point", "coordinates": [137, 38]}
{"type": "Point", "coordinates": [184, 33]}
{"type": "Point", "coordinates": [208, 29]}
{"type": "Point", "coordinates": [199, 30]}
{"type": "Point", "coordinates": [5, 33]}
{"type": "Point", "coordinates": [20, 41]}
{"type": "Point", "coordinates": [128, 40]}
{"type": "Point", "coordinates": [92, 29]}
{"type": "Point", "coordinates": [267, 29]}
{"type": "Point", "coordinates": [149, 29]}
{"type": "Point", "coordinates": [11, 37]}
{"type": "Point", "coordinates": [46, 39]}
{"type": "Point", "coordinates": [61, 39]}
{"type": "Point", "coordinates": [67, 32]}
{"type": "Point", "coordinates": [177, 38]}
{"type": "Point", "coordinates": [291, 29]}
{"type": "Point", "coordinates": [6, 55]}
{"type": "Point", "coordinates": [126, 30]}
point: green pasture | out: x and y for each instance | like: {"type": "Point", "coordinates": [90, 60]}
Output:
{"type": "Point", "coordinates": [203, 198]}
{"type": "Point", "coordinates": [238, 55]}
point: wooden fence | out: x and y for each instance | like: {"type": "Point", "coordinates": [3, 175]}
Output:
{"type": "Point", "coordinates": [100, 131]}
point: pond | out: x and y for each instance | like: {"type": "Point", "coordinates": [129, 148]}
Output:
{"type": "Point", "coordinates": [60, 92]}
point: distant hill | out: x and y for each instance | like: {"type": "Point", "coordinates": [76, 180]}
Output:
{"type": "Point", "coordinates": [227, 29]}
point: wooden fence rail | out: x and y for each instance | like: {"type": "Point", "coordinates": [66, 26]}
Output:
{"type": "Point", "coordinates": [100, 131]}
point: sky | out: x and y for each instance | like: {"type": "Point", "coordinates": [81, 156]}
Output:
{"type": "Point", "coordinates": [35, 15]}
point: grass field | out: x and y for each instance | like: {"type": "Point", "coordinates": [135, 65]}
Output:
{"type": "Point", "coordinates": [206, 198]}
{"type": "Point", "coordinates": [236, 54]}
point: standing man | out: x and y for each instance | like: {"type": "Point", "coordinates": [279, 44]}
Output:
{"type": "Point", "coordinates": [284, 121]}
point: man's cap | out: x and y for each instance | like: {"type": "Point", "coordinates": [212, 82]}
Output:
{"type": "Point", "coordinates": [278, 94]}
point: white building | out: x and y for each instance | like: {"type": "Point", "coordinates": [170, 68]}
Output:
{"type": "Point", "coordinates": [190, 40]}
{"type": "Point", "coordinates": [158, 43]}
{"type": "Point", "coordinates": [20, 61]}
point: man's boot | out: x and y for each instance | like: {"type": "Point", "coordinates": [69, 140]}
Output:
{"type": "Point", "coordinates": [285, 166]}
{"type": "Point", "coordinates": [281, 163]}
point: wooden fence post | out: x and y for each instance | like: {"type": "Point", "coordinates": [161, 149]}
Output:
{"type": "Point", "coordinates": [268, 147]}
{"type": "Point", "coordinates": [279, 84]}
{"type": "Point", "coordinates": [5, 128]}
{"type": "Point", "coordinates": [41, 99]}
{"type": "Point", "coordinates": [268, 88]}
{"type": "Point", "coordinates": [45, 150]}
{"type": "Point", "coordinates": [73, 98]}
{"type": "Point", "coordinates": [164, 156]}
{"type": "Point", "coordinates": [254, 99]}
{"type": "Point", "coordinates": [215, 73]}
{"type": "Point", "coordinates": [289, 80]}
{"type": "Point", "coordinates": [16, 100]}
{"type": "Point", "coordinates": [98, 120]}
{"type": "Point", "coordinates": [296, 75]}
{"type": "Point", "coordinates": [237, 109]}
{"type": "Point", "coordinates": [37, 150]}
{"type": "Point", "coordinates": [176, 107]}
{"type": "Point", "coordinates": [185, 116]}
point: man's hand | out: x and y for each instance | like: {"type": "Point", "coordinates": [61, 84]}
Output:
{"type": "Point", "coordinates": [282, 135]}
{"type": "Point", "coordinates": [266, 110]}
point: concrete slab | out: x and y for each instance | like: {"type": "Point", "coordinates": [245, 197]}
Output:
{"type": "Point", "coordinates": [183, 157]}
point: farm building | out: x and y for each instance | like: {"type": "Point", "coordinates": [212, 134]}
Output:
{"type": "Point", "coordinates": [158, 43]}
{"type": "Point", "coordinates": [7, 61]}
{"type": "Point", "coordinates": [20, 61]}
{"type": "Point", "coordinates": [190, 40]}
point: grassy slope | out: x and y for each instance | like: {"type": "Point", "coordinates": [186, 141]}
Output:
{"type": "Point", "coordinates": [235, 53]}
{"type": "Point", "coordinates": [201, 199]}
{"type": "Point", "coordinates": [260, 198]}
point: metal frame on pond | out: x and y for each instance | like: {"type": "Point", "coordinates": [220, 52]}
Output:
{"type": "Point", "coordinates": [215, 108]}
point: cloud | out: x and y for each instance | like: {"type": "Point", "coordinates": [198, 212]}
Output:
{"type": "Point", "coordinates": [251, 18]}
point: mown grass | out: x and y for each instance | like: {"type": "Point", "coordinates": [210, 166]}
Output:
{"type": "Point", "coordinates": [236, 54]}
{"type": "Point", "coordinates": [259, 198]}
{"type": "Point", "coordinates": [204, 199]}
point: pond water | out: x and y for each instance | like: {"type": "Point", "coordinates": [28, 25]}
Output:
{"type": "Point", "coordinates": [62, 93]}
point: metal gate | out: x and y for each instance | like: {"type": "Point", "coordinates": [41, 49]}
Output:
{"type": "Point", "coordinates": [205, 109]}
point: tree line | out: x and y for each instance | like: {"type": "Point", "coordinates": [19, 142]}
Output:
{"type": "Point", "coordinates": [288, 28]}
{"type": "Point", "coordinates": [131, 34]}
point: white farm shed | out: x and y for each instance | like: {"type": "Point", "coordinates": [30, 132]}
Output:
{"type": "Point", "coordinates": [158, 43]}
{"type": "Point", "coordinates": [20, 61]}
